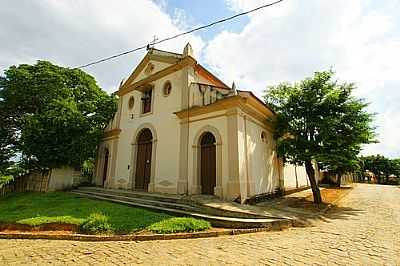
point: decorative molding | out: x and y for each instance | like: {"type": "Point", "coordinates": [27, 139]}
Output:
{"type": "Point", "coordinates": [214, 107]}
{"type": "Point", "coordinates": [201, 131]}
{"type": "Point", "coordinates": [141, 84]}
{"type": "Point", "coordinates": [149, 56]}
{"type": "Point", "coordinates": [111, 134]}
{"type": "Point", "coordinates": [259, 113]}
{"type": "Point", "coordinates": [140, 128]}
{"type": "Point", "coordinates": [165, 183]}
{"type": "Point", "coordinates": [149, 68]}
{"type": "Point", "coordinates": [186, 121]}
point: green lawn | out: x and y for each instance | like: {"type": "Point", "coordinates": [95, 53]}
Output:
{"type": "Point", "coordinates": [41, 208]}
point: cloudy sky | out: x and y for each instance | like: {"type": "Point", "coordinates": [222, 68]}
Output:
{"type": "Point", "coordinates": [359, 39]}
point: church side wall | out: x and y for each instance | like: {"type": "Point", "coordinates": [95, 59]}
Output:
{"type": "Point", "coordinates": [262, 164]}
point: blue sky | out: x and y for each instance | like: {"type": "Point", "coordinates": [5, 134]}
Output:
{"type": "Point", "coordinates": [359, 39]}
{"type": "Point", "coordinates": [204, 12]}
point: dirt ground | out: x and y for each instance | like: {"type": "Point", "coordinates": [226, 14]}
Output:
{"type": "Point", "coordinates": [304, 199]}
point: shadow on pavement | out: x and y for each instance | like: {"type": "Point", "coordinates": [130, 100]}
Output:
{"type": "Point", "coordinates": [300, 207]}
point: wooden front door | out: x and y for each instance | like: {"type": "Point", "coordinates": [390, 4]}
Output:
{"type": "Point", "coordinates": [208, 164]}
{"type": "Point", "coordinates": [105, 167]}
{"type": "Point", "coordinates": [143, 160]}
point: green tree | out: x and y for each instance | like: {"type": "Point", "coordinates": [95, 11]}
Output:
{"type": "Point", "coordinates": [396, 167]}
{"type": "Point", "coordinates": [319, 119]}
{"type": "Point", "coordinates": [381, 166]}
{"type": "Point", "coordinates": [55, 116]}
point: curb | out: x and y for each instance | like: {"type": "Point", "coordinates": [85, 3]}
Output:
{"type": "Point", "coordinates": [94, 238]}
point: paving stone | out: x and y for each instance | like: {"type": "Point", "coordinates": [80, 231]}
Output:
{"type": "Point", "coordinates": [362, 231]}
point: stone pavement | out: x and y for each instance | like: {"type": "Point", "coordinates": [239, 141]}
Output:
{"type": "Point", "coordinates": [364, 230]}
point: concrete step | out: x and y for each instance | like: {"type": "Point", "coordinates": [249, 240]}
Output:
{"type": "Point", "coordinates": [184, 210]}
{"type": "Point", "coordinates": [145, 201]}
{"type": "Point", "coordinates": [184, 201]}
{"type": "Point", "coordinates": [135, 194]}
{"type": "Point", "coordinates": [227, 213]}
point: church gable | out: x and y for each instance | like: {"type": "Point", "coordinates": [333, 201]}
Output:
{"type": "Point", "coordinates": [151, 67]}
{"type": "Point", "coordinates": [154, 61]}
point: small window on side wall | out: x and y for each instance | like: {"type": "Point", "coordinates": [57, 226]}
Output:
{"type": "Point", "coordinates": [167, 88]}
{"type": "Point", "coordinates": [264, 136]}
{"type": "Point", "coordinates": [131, 102]}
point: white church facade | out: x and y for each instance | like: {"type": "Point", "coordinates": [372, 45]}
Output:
{"type": "Point", "coordinates": [180, 130]}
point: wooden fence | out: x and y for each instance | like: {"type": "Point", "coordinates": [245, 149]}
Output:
{"type": "Point", "coordinates": [36, 181]}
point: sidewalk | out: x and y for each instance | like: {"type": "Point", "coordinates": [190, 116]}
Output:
{"type": "Point", "coordinates": [295, 206]}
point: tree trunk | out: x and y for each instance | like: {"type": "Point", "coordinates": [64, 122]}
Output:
{"type": "Point", "coordinates": [314, 187]}
{"type": "Point", "coordinates": [339, 180]}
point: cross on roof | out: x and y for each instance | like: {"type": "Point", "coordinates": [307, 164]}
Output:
{"type": "Point", "coordinates": [152, 43]}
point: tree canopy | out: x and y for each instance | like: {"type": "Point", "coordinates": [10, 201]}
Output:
{"type": "Point", "coordinates": [52, 116]}
{"type": "Point", "coordinates": [319, 119]}
{"type": "Point", "coordinates": [381, 166]}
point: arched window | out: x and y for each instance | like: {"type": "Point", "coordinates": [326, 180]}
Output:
{"type": "Point", "coordinates": [167, 88]}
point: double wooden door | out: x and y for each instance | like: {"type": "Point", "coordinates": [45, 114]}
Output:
{"type": "Point", "coordinates": [208, 164]}
{"type": "Point", "coordinates": [143, 160]}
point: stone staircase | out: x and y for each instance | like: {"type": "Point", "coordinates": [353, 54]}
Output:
{"type": "Point", "coordinates": [183, 206]}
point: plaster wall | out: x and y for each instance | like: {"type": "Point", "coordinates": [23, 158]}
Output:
{"type": "Point", "coordinates": [295, 176]}
{"type": "Point", "coordinates": [165, 126]}
{"type": "Point", "coordinates": [62, 178]}
{"type": "Point", "coordinates": [263, 171]}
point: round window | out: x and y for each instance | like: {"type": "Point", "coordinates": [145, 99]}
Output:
{"type": "Point", "coordinates": [131, 102]}
{"type": "Point", "coordinates": [167, 88]}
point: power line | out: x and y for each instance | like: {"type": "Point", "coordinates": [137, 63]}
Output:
{"type": "Point", "coordinates": [180, 34]}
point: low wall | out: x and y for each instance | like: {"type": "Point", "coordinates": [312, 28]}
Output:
{"type": "Point", "coordinates": [295, 177]}
{"type": "Point", "coordinates": [329, 178]}
{"type": "Point", "coordinates": [63, 178]}
{"type": "Point", "coordinates": [36, 181]}
{"type": "Point", "coordinates": [44, 181]}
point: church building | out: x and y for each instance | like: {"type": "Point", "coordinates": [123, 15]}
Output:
{"type": "Point", "coordinates": [181, 130]}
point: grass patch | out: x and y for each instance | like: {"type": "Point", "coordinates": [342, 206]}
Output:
{"type": "Point", "coordinates": [179, 224]}
{"type": "Point", "coordinates": [60, 207]}
{"type": "Point", "coordinates": [34, 221]}
{"type": "Point", "coordinates": [96, 223]}
{"type": "Point", "coordinates": [93, 216]}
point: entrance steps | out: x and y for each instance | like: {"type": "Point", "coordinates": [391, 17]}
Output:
{"type": "Point", "coordinates": [184, 206]}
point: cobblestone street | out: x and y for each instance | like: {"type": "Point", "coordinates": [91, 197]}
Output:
{"type": "Point", "coordinates": [364, 230]}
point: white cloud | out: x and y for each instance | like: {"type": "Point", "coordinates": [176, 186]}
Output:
{"type": "Point", "coordinates": [73, 33]}
{"type": "Point", "coordinates": [360, 39]}
{"type": "Point", "coordinates": [293, 39]}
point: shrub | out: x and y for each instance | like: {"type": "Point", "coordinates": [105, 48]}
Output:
{"type": "Point", "coordinates": [5, 179]}
{"type": "Point", "coordinates": [96, 223]}
{"type": "Point", "coordinates": [179, 224]}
